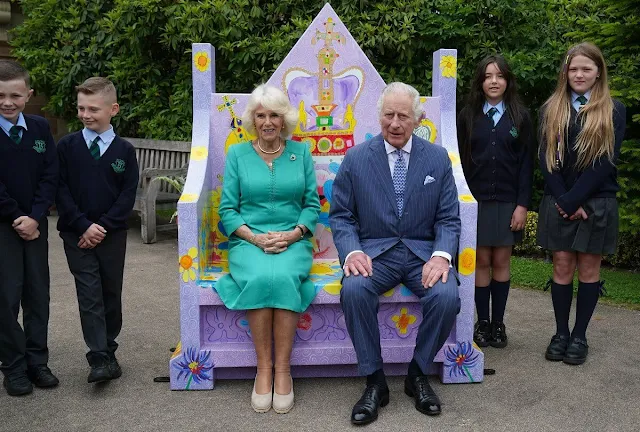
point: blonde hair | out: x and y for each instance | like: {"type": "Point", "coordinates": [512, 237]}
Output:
{"type": "Point", "coordinates": [99, 85]}
{"type": "Point", "coordinates": [596, 137]}
{"type": "Point", "coordinates": [272, 99]}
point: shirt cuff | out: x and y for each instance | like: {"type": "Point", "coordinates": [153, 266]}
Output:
{"type": "Point", "coordinates": [351, 253]}
{"type": "Point", "coordinates": [442, 254]}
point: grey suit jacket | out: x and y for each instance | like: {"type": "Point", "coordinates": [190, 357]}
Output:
{"type": "Point", "coordinates": [363, 213]}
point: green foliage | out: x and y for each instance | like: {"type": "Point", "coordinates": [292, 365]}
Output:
{"type": "Point", "coordinates": [144, 46]}
{"type": "Point", "coordinates": [621, 285]}
{"type": "Point", "coordinates": [529, 246]}
{"type": "Point", "coordinates": [178, 183]}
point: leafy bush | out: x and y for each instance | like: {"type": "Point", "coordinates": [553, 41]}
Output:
{"type": "Point", "coordinates": [529, 246]}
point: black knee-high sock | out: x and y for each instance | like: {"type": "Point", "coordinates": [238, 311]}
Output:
{"type": "Point", "coordinates": [561, 296]}
{"type": "Point", "coordinates": [499, 295]}
{"type": "Point", "coordinates": [483, 295]}
{"type": "Point", "coordinates": [587, 298]}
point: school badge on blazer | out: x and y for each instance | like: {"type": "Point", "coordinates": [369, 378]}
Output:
{"type": "Point", "coordinates": [118, 166]}
{"type": "Point", "coordinates": [40, 146]}
{"type": "Point", "coordinates": [514, 132]}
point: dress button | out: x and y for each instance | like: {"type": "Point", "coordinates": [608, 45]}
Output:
{"type": "Point", "coordinates": [493, 143]}
{"type": "Point", "coordinates": [493, 157]}
{"type": "Point", "coordinates": [494, 171]}
{"type": "Point", "coordinates": [493, 197]}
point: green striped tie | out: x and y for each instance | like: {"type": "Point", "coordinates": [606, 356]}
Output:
{"type": "Point", "coordinates": [95, 148]}
{"type": "Point", "coordinates": [583, 100]}
{"type": "Point", "coordinates": [14, 134]}
{"type": "Point", "coordinates": [491, 113]}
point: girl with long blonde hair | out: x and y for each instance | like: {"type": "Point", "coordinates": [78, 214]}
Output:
{"type": "Point", "coordinates": [582, 129]}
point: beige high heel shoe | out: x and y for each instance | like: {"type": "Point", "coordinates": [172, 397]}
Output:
{"type": "Point", "coordinates": [261, 403]}
{"type": "Point", "coordinates": [282, 404]}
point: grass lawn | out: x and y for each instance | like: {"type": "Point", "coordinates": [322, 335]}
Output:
{"type": "Point", "coordinates": [623, 286]}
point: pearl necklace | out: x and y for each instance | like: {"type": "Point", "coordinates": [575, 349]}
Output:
{"type": "Point", "coordinates": [270, 152]}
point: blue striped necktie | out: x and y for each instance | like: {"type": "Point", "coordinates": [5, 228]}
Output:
{"type": "Point", "coordinates": [399, 180]}
{"type": "Point", "coordinates": [95, 148]}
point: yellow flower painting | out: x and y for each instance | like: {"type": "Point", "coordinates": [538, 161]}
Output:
{"type": "Point", "coordinates": [467, 262]}
{"type": "Point", "coordinates": [199, 153]}
{"type": "Point", "coordinates": [467, 198]}
{"type": "Point", "coordinates": [403, 320]}
{"type": "Point", "coordinates": [202, 61]}
{"type": "Point", "coordinates": [188, 265]}
{"type": "Point", "coordinates": [188, 197]}
{"type": "Point", "coordinates": [448, 66]}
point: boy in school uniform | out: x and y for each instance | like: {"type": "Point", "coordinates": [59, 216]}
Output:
{"type": "Point", "coordinates": [28, 181]}
{"type": "Point", "coordinates": [98, 182]}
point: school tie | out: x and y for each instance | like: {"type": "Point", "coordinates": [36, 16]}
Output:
{"type": "Point", "coordinates": [491, 113]}
{"type": "Point", "coordinates": [399, 180]}
{"type": "Point", "coordinates": [95, 148]}
{"type": "Point", "coordinates": [583, 100]}
{"type": "Point", "coordinates": [14, 134]}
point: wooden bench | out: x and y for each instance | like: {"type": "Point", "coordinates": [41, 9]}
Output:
{"type": "Point", "coordinates": [157, 158]}
{"type": "Point", "coordinates": [215, 342]}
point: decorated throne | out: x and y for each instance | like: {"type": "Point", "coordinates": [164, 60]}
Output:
{"type": "Point", "coordinates": [335, 91]}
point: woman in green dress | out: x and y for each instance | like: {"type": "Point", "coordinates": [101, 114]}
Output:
{"type": "Point", "coordinates": [270, 208]}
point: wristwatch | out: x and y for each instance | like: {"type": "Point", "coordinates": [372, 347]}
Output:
{"type": "Point", "coordinates": [300, 227]}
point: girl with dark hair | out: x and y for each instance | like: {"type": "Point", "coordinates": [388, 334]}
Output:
{"type": "Point", "coordinates": [495, 137]}
{"type": "Point", "coordinates": [582, 129]}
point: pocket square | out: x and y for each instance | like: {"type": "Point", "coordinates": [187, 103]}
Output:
{"type": "Point", "coordinates": [428, 179]}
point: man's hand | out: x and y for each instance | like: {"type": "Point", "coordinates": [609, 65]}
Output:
{"type": "Point", "coordinates": [33, 236]}
{"type": "Point", "coordinates": [92, 237]}
{"type": "Point", "coordinates": [358, 263]}
{"type": "Point", "coordinates": [433, 269]}
{"type": "Point", "coordinates": [518, 218]}
{"type": "Point", "coordinates": [25, 226]}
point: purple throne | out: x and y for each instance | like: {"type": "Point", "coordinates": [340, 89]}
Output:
{"type": "Point", "coordinates": [335, 91]}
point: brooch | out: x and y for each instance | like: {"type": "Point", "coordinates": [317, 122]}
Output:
{"type": "Point", "coordinates": [293, 157]}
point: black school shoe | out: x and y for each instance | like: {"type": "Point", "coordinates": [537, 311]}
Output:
{"type": "Point", "coordinates": [365, 410]}
{"type": "Point", "coordinates": [426, 400]}
{"type": "Point", "coordinates": [41, 376]}
{"type": "Point", "coordinates": [482, 333]}
{"type": "Point", "coordinates": [17, 384]}
{"type": "Point", "coordinates": [498, 335]}
{"type": "Point", "coordinates": [557, 347]}
{"type": "Point", "coordinates": [577, 351]}
{"type": "Point", "coordinates": [114, 367]}
{"type": "Point", "coordinates": [99, 373]}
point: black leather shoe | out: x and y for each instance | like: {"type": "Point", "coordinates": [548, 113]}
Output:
{"type": "Point", "coordinates": [482, 333]}
{"type": "Point", "coordinates": [576, 352]}
{"type": "Point", "coordinates": [557, 347]}
{"type": "Point", "coordinates": [366, 410]}
{"type": "Point", "coordinates": [427, 402]}
{"type": "Point", "coordinates": [99, 373]}
{"type": "Point", "coordinates": [114, 368]}
{"type": "Point", "coordinates": [498, 335]}
{"type": "Point", "coordinates": [41, 376]}
{"type": "Point", "coordinates": [17, 384]}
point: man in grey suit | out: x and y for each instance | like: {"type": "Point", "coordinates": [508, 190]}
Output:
{"type": "Point", "coordinates": [395, 219]}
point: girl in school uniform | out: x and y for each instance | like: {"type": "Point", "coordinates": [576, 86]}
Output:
{"type": "Point", "coordinates": [582, 129]}
{"type": "Point", "coordinates": [495, 137]}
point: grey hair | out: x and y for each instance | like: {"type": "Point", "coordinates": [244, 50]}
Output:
{"type": "Point", "coordinates": [400, 87]}
{"type": "Point", "coordinates": [273, 99]}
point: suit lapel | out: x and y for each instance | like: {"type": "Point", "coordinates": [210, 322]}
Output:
{"type": "Point", "coordinates": [416, 163]}
{"type": "Point", "coordinates": [380, 161]}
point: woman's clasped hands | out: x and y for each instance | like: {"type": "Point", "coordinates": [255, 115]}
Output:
{"type": "Point", "coordinates": [275, 242]}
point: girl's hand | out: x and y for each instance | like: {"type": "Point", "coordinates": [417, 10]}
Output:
{"type": "Point", "coordinates": [519, 218]}
{"type": "Point", "coordinates": [562, 212]}
{"type": "Point", "coordinates": [579, 214]}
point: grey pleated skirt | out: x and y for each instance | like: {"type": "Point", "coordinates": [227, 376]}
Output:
{"type": "Point", "coordinates": [494, 224]}
{"type": "Point", "coordinates": [596, 235]}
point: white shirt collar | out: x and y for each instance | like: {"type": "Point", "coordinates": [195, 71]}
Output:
{"type": "Point", "coordinates": [575, 96]}
{"type": "Point", "coordinates": [6, 124]}
{"type": "Point", "coordinates": [407, 147]}
{"type": "Point", "coordinates": [487, 106]}
{"type": "Point", "coordinates": [106, 136]}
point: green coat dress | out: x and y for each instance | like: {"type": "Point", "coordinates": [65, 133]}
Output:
{"type": "Point", "coordinates": [265, 199]}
